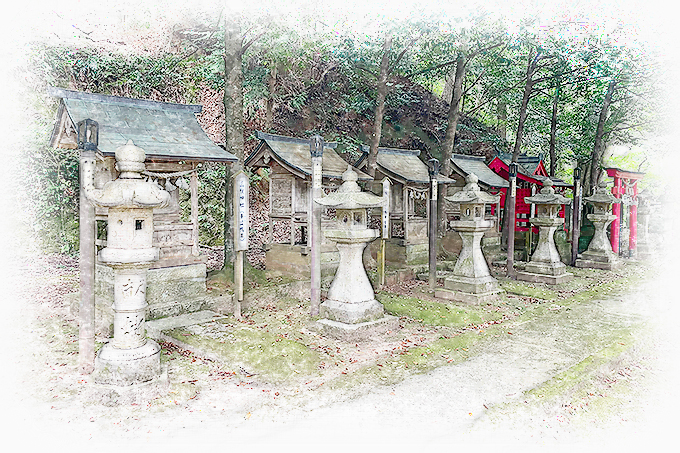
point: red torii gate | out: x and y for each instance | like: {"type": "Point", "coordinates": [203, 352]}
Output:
{"type": "Point", "coordinates": [625, 184]}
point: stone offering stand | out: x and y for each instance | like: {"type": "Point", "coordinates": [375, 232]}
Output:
{"type": "Point", "coordinates": [129, 358]}
{"type": "Point", "coordinates": [471, 281]}
{"type": "Point", "coordinates": [351, 311]}
{"type": "Point", "coordinates": [600, 254]}
{"type": "Point", "coordinates": [546, 265]}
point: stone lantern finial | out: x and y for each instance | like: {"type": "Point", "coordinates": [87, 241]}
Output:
{"type": "Point", "coordinates": [130, 161]}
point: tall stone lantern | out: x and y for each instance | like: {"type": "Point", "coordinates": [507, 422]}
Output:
{"type": "Point", "coordinates": [600, 254]}
{"type": "Point", "coordinates": [350, 311]}
{"type": "Point", "coordinates": [471, 280]}
{"type": "Point", "coordinates": [129, 358]}
{"type": "Point", "coordinates": [546, 265]}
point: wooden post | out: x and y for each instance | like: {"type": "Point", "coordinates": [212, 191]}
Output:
{"type": "Point", "coordinates": [193, 188]}
{"type": "Point", "coordinates": [576, 216]}
{"type": "Point", "coordinates": [432, 233]}
{"type": "Point", "coordinates": [510, 209]}
{"type": "Point", "coordinates": [405, 206]}
{"type": "Point", "coordinates": [616, 210]}
{"type": "Point", "coordinates": [87, 259]}
{"type": "Point", "coordinates": [241, 232]}
{"type": "Point", "coordinates": [316, 145]}
{"type": "Point", "coordinates": [386, 194]}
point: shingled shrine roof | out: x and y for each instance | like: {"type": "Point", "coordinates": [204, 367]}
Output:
{"type": "Point", "coordinates": [466, 165]}
{"type": "Point", "coordinates": [402, 165]}
{"type": "Point", "coordinates": [293, 154]}
{"type": "Point", "coordinates": [163, 130]}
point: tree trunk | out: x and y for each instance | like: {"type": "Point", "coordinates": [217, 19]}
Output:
{"type": "Point", "coordinates": [502, 127]}
{"type": "Point", "coordinates": [449, 138]}
{"type": "Point", "coordinates": [269, 116]}
{"type": "Point", "coordinates": [233, 113]}
{"type": "Point", "coordinates": [450, 79]}
{"type": "Point", "coordinates": [379, 107]}
{"type": "Point", "coordinates": [598, 148]}
{"type": "Point", "coordinates": [528, 86]}
{"type": "Point", "coordinates": [553, 132]}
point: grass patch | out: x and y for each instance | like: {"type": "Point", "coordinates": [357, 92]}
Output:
{"type": "Point", "coordinates": [527, 290]}
{"type": "Point", "coordinates": [272, 357]}
{"type": "Point", "coordinates": [435, 313]}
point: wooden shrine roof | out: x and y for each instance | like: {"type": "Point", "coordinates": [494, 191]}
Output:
{"type": "Point", "coordinates": [293, 154]}
{"type": "Point", "coordinates": [464, 165]}
{"type": "Point", "coordinates": [164, 130]}
{"type": "Point", "coordinates": [402, 165]}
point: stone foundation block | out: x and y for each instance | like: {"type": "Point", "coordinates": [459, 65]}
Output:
{"type": "Point", "coordinates": [543, 278]}
{"type": "Point", "coordinates": [123, 367]}
{"type": "Point", "coordinates": [468, 298]}
{"type": "Point", "coordinates": [356, 332]}
{"type": "Point", "coordinates": [351, 313]}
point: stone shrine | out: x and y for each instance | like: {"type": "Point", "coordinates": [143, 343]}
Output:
{"type": "Point", "coordinates": [351, 311]}
{"type": "Point", "coordinates": [471, 280]}
{"type": "Point", "coordinates": [129, 358]}
{"type": "Point", "coordinates": [600, 254]}
{"type": "Point", "coordinates": [546, 265]}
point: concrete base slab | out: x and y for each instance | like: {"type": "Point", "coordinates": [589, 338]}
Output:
{"type": "Point", "coordinates": [154, 327]}
{"type": "Point", "coordinates": [607, 266]}
{"type": "Point", "coordinates": [542, 278]}
{"type": "Point", "coordinates": [356, 332]}
{"type": "Point", "coordinates": [468, 298]}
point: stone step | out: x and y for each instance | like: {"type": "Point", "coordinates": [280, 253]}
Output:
{"type": "Point", "coordinates": [156, 326]}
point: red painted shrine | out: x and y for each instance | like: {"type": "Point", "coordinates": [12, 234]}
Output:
{"type": "Point", "coordinates": [530, 176]}
{"type": "Point", "coordinates": [625, 189]}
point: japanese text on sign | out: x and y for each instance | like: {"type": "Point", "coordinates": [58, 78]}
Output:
{"type": "Point", "coordinates": [386, 209]}
{"type": "Point", "coordinates": [241, 211]}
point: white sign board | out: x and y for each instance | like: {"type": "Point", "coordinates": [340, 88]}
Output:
{"type": "Point", "coordinates": [316, 172]}
{"type": "Point", "coordinates": [386, 208]}
{"type": "Point", "coordinates": [241, 226]}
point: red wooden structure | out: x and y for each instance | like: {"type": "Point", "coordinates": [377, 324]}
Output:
{"type": "Point", "coordinates": [530, 176]}
{"type": "Point", "coordinates": [626, 189]}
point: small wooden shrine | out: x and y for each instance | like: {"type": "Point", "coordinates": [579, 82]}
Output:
{"type": "Point", "coordinates": [290, 164]}
{"type": "Point", "coordinates": [626, 190]}
{"type": "Point", "coordinates": [409, 207]}
{"type": "Point", "coordinates": [531, 175]}
{"type": "Point", "coordinates": [175, 146]}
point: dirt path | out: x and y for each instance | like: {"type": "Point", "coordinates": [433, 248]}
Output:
{"type": "Point", "coordinates": [540, 381]}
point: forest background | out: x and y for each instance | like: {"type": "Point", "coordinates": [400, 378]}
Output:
{"type": "Point", "coordinates": [583, 83]}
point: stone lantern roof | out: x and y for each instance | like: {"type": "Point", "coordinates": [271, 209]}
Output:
{"type": "Point", "coordinates": [129, 190]}
{"type": "Point", "coordinates": [547, 196]}
{"type": "Point", "coordinates": [349, 194]}
{"type": "Point", "coordinates": [601, 195]}
{"type": "Point", "coordinates": [472, 194]}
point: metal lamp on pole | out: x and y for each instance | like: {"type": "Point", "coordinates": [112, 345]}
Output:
{"type": "Point", "coordinates": [512, 194]}
{"type": "Point", "coordinates": [433, 168]}
{"type": "Point", "coordinates": [576, 216]}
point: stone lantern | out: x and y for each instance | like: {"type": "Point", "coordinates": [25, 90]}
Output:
{"type": "Point", "coordinates": [471, 281]}
{"type": "Point", "coordinates": [350, 310]}
{"type": "Point", "coordinates": [129, 358]}
{"type": "Point", "coordinates": [546, 265]}
{"type": "Point", "coordinates": [643, 215]}
{"type": "Point", "coordinates": [600, 254]}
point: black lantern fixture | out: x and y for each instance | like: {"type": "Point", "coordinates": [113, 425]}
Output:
{"type": "Point", "coordinates": [433, 167]}
{"type": "Point", "coordinates": [316, 144]}
{"type": "Point", "coordinates": [88, 135]}
{"type": "Point", "coordinates": [512, 169]}
{"type": "Point", "coordinates": [577, 174]}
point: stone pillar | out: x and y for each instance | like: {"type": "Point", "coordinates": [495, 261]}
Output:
{"type": "Point", "coordinates": [600, 254]}
{"type": "Point", "coordinates": [129, 358]}
{"type": "Point", "coordinates": [643, 214]}
{"type": "Point", "coordinates": [351, 311]}
{"type": "Point", "coordinates": [616, 211]}
{"type": "Point", "coordinates": [546, 265]}
{"type": "Point", "coordinates": [471, 281]}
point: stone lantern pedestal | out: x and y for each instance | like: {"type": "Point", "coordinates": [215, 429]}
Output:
{"type": "Point", "coordinates": [350, 310]}
{"type": "Point", "coordinates": [129, 358]}
{"type": "Point", "coordinates": [471, 281]}
{"type": "Point", "coordinates": [546, 265]}
{"type": "Point", "coordinates": [600, 254]}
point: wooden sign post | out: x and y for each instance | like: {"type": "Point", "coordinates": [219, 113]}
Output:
{"type": "Point", "coordinates": [432, 234]}
{"type": "Point", "coordinates": [386, 192]}
{"type": "Point", "coordinates": [510, 209]}
{"type": "Point", "coordinates": [316, 145]}
{"type": "Point", "coordinates": [241, 227]}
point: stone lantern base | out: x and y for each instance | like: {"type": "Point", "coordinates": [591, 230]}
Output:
{"type": "Point", "coordinates": [604, 261]}
{"type": "Point", "coordinates": [545, 278]}
{"type": "Point", "coordinates": [123, 367]}
{"type": "Point", "coordinates": [356, 332]}
{"type": "Point", "coordinates": [469, 290]}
